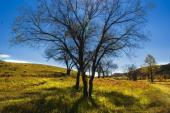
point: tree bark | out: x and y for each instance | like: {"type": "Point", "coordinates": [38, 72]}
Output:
{"type": "Point", "coordinates": [78, 80]}
{"type": "Point", "coordinates": [68, 71]}
{"type": "Point", "coordinates": [134, 76]}
{"type": "Point", "coordinates": [148, 77]}
{"type": "Point", "coordinates": [103, 74]}
{"type": "Point", "coordinates": [99, 74]}
{"type": "Point", "coordinates": [91, 84]}
{"type": "Point", "coordinates": [85, 86]}
{"type": "Point", "coordinates": [164, 76]}
{"type": "Point", "coordinates": [151, 77]}
{"type": "Point", "coordinates": [151, 74]}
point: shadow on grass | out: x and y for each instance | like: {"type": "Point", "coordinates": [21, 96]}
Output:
{"type": "Point", "coordinates": [51, 100]}
{"type": "Point", "coordinates": [86, 104]}
{"type": "Point", "coordinates": [120, 99]}
{"type": "Point", "coordinates": [40, 105]}
{"type": "Point", "coordinates": [60, 100]}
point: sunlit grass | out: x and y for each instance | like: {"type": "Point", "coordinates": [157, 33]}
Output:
{"type": "Point", "coordinates": [57, 95]}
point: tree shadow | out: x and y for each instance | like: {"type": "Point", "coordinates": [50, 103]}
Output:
{"type": "Point", "coordinates": [40, 105]}
{"type": "Point", "coordinates": [120, 99]}
{"type": "Point", "coordinates": [84, 103]}
{"type": "Point", "coordinates": [64, 100]}
{"type": "Point", "coordinates": [50, 100]}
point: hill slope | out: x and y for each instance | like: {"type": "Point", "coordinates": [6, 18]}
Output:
{"type": "Point", "coordinates": [35, 70]}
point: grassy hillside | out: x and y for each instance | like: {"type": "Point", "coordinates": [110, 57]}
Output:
{"type": "Point", "coordinates": [34, 70]}
{"type": "Point", "coordinates": [28, 91]}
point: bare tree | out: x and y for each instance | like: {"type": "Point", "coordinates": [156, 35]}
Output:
{"type": "Point", "coordinates": [60, 55]}
{"type": "Point", "coordinates": [110, 67]}
{"type": "Point", "coordinates": [89, 30]}
{"type": "Point", "coordinates": [119, 30]}
{"type": "Point", "coordinates": [132, 75]}
{"type": "Point", "coordinates": [150, 62]}
{"type": "Point", "coordinates": [106, 67]}
{"type": "Point", "coordinates": [59, 22]}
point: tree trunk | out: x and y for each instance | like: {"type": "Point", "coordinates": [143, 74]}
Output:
{"type": "Point", "coordinates": [78, 80]}
{"type": "Point", "coordinates": [164, 76]}
{"type": "Point", "coordinates": [107, 74]}
{"type": "Point", "coordinates": [148, 77]}
{"type": "Point", "coordinates": [85, 86]}
{"type": "Point", "coordinates": [103, 73]}
{"type": "Point", "coordinates": [91, 84]}
{"type": "Point", "coordinates": [134, 76]}
{"type": "Point", "coordinates": [99, 74]}
{"type": "Point", "coordinates": [68, 71]}
{"type": "Point", "coordinates": [151, 76]}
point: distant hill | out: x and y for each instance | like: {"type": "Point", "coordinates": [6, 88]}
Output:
{"type": "Point", "coordinates": [35, 70]}
{"type": "Point", "coordinates": [160, 71]}
{"type": "Point", "coordinates": [165, 69]}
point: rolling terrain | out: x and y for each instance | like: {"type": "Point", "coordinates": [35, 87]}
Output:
{"type": "Point", "coordinates": [30, 88]}
{"type": "Point", "coordinates": [8, 69]}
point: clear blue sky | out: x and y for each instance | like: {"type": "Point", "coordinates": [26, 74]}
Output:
{"type": "Point", "coordinates": [158, 25]}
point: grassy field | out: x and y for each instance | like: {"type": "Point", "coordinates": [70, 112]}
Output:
{"type": "Point", "coordinates": [57, 95]}
{"type": "Point", "coordinates": [30, 94]}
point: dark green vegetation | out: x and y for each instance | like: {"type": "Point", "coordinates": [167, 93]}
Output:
{"type": "Point", "coordinates": [160, 73]}
{"type": "Point", "coordinates": [30, 94]}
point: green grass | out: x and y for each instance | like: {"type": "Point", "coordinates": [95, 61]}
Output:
{"type": "Point", "coordinates": [57, 95]}
{"type": "Point", "coordinates": [49, 94]}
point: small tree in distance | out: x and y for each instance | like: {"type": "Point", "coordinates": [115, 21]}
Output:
{"type": "Point", "coordinates": [132, 72]}
{"type": "Point", "coordinates": [150, 62]}
{"type": "Point", "coordinates": [62, 56]}
{"type": "Point", "coordinates": [108, 67]}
